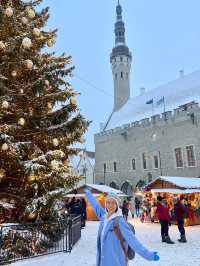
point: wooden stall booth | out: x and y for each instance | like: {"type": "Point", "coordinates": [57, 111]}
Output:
{"type": "Point", "coordinates": [170, 187]}
{"type": "Point", "coordinates": [99, 192]}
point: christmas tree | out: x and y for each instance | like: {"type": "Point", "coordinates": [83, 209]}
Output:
{"type": "Point", "coordinates": [40, 122]}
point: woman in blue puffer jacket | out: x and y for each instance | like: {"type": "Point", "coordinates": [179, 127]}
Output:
{"type": "Point", "coordinates": [109, 249]}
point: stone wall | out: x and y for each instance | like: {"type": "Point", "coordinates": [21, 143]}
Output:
{"type": "Point", "coordinates": [159, 135]}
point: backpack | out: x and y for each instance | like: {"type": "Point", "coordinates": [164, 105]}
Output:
{"type": "Point", "coordinates": [130, 253]}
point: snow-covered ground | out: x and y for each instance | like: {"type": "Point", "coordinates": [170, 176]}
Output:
{"type": "Point", "coordinates": [171, 255]}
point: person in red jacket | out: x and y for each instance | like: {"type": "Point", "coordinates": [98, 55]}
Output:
{"type": "Point", "coordinates": [164, 219]}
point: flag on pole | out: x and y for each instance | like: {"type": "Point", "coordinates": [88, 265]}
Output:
{"type": "Point", "coordinates": [161, 101]}
{"type": "Point", "coordinates": [150, 101]}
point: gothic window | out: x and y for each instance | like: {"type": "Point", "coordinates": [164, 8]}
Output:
{"type": "Point", "coordinates": [155, 159]}
{"type": "Point", "coordinates": [133, 164]}
{"type": "Point", "coordinates": [190, 156]}
{"type": "Point", "coordinates": [115, 75]}
{"type": "Point", "coordinates": [115, 167]}
{"type": "Point", "coordinates": [114, 185]}
{"type": "Point", "coordinates": [127, 188]}
{"type": "Point", "coordinates": [122, 75]}
{"type": "Point", "coordinates": [144, 160]}
{"type": "Point", "coordinates": [179, 157]}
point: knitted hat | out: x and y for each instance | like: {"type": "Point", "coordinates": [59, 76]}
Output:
{"type": "Point", "coordinates": [114, 197]}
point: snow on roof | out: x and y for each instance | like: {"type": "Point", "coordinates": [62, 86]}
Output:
{"type": "Point", "coordinates": [175, 191]}
{"type": "Point", "coordinates": [106, 189]}
{"type": "Point", "coordinates": [178, 92]}
{"type": "Point", "coordinates": [182, 182]}
{"type": "Point", "coordinates": [100, 188]}
{"type": "Point", "coordinates": [80, 195]}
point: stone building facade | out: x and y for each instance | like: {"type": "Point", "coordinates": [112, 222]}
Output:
{"type": "Point", "coordinates": [167, 145]}
{"type": "Point", "coordinates": [156, 133]}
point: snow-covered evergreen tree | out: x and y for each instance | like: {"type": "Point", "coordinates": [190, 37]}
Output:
{"type": "Point", "coordinates": [36, 138]}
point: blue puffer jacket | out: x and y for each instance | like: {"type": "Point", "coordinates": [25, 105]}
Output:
{"type": "Point", "coordinates": [110, 252]}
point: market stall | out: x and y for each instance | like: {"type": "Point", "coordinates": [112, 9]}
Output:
{"type": "Point", "coordinates": [99, 192]}
{"type": "Point", "coordinates": [170, 187]}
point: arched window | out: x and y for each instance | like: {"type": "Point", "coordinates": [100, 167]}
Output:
{"type": "Point", "coordinates": [127, 189]}
{"type": "Point", "coordinates": [122, 75]}
{"type": "Point", "coordinates": [115, 75]}
{"type": "Point", "coordinates": [114, 185]}
{"type": "Point", "coordinates": [140, 184]}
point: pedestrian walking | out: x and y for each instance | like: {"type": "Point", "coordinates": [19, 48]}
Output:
{"type": "Point", "coordinates": [111, 251]}
{"type": "Point", "coordinates": [83, 212]}
{"type": "Point", "coordinates": [125, 210]}
{"type": "Point", "coordinates": [164, 219]}
{"type": "Point", "coordinates": [137, 207]}
{"type": "Point", "coordinates": [180, 215]}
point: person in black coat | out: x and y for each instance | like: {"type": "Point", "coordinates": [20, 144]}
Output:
{"type": "Point", "coordinates": [125, 210]}
{"type": "Point", "coordinates": [76, 208]}
{"type": "Point", "coordinates": [137, 207]}
{"type": "Point", "coordinates": [84, 212]}
{"type": "Point", "coordinates": [180, 212]}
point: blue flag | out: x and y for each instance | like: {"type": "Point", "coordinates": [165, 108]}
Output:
{"type": "Point", "coordinates": [150, 101]}
{"type": "Point", "coordinates": [161, 101]}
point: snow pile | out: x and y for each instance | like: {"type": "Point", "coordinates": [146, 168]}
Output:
{"type": "Point", "coordinates": [84, 253]}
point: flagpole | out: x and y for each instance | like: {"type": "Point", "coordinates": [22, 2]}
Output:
{"type": "Point", "coordinates": [164, 107]}
{"type": "Point", "coordinates": [152, 109]}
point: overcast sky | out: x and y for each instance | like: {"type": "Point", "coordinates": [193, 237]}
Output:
{"type": "Point", "coordinates": [163, 36]}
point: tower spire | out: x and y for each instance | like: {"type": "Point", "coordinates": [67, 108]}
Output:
{"type": "Point", "coordinates": [119, 26]}
{"type": "Point", "coordinates": [120, 59]}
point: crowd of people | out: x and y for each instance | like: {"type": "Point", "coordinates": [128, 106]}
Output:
{"type": "Point", "coordinates": [162, 210]}
{"type": "Point", "coordinates": [149, 206]}
{"type": "Point", "coordinates": [77, 207]}
{"type": "Point", "coordinates": [175, 210]}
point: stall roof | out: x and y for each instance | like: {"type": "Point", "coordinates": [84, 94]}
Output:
{"type": "Point", "coordinates": [80, 195]}
{"type": "Point", "coordinates": [175, 191]}
{"type": "Point", "coordinates": [182, 182]}
{"type": "Point", "coordinates": [106, 189]}
{"type": "Point", "coordinates": [101, 189]}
